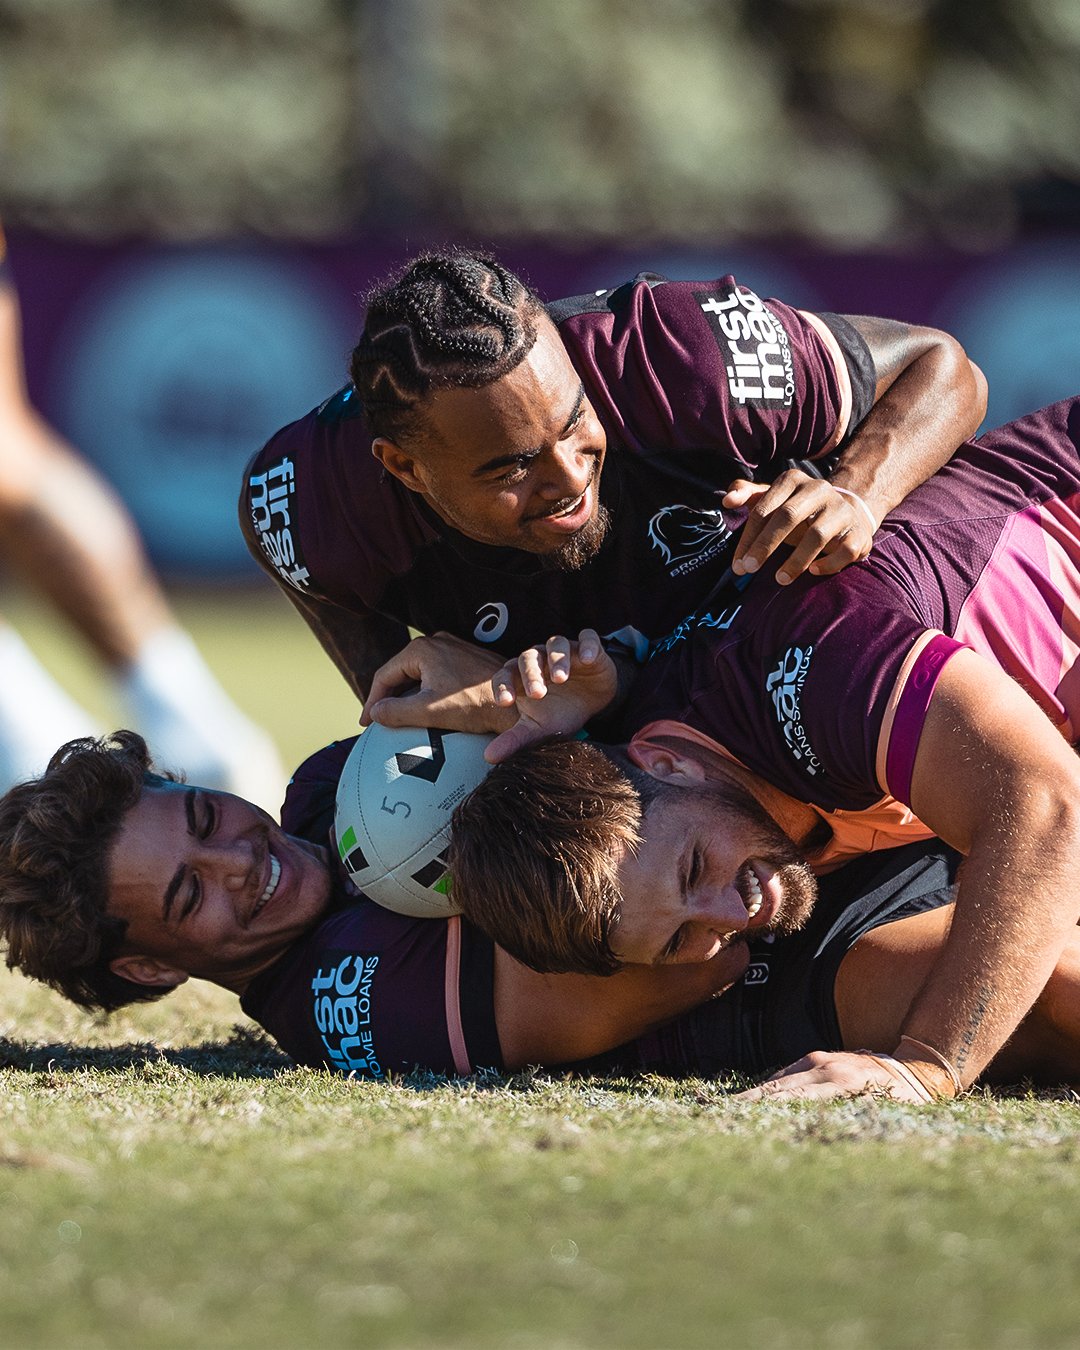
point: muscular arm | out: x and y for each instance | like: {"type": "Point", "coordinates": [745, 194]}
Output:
{"type": "Point", "coordinates": [995, 779]}
{"type": "Point", "coordinates": [928, 399]}
{"type": "Point", "coordinates": [553, 1019]}
{"type": "Point", "coordinates": [358, 644]}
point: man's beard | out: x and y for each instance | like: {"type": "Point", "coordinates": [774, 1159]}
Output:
{"type": "Point", "coordinates": [582, 547]}
{"type": "Point", "coordinates": [768, 842]}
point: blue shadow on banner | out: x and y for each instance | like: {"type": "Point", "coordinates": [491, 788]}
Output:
{"type": "Point", "coordinates": [176, 367]}
{"type": "Point", "coordinates": [1018, 316]}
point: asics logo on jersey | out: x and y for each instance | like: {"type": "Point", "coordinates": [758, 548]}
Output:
{"type": "Point", "coordinates": [341, 1005]}
{"type": "Point", "coordinates": [492, 621]}
{"type": "Point", "coordinates": [688, 537]}
{"type": "Point", "coordinates": [756, 351]}
{"type": "Point", "coordinates": [270, 498]}
{"type": "Point", "coordinates": [784, 686]}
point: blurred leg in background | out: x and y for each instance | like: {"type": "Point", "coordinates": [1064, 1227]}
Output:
{"type": "Point", "coordinates": [65, 532]}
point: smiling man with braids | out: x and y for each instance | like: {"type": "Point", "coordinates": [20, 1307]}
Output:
{"type": "Point", "coordinates": [502, 469]}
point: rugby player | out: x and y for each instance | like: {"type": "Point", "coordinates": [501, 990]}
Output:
{"type": "Point", "coordinates": [117, 885]}
{"type": "Point", "coordinates": [503, 470]}
{"type": "Point", "coordinates": [930, 689]}
{"type": "Point", "coordinates": [66, 533]}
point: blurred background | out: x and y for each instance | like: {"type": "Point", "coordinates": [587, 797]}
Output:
{"type": "Point", "coordinates": [195, 193]}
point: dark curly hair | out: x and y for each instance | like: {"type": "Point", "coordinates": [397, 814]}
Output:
{"type": "Point", "coordinates": [55, 836]}
{"type": "Point", "coordinates": [450, 319]}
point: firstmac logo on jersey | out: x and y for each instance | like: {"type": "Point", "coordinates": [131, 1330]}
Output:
{"type": "Point", "coordinates": [270, 496]}
{"type": "Point", "coordinates": [784, 685]}
{"type": "Point", "coordinates": [342, 998]}
{"type": "Point", "coordinates": [757, 352]}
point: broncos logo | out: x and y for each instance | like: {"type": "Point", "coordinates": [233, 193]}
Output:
{"type": "Point", "coordinates": [684, 531]}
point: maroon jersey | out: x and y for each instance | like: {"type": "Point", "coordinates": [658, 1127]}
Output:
{"type": "Point", "coordinates": [822, 687]}
{"type": "Point", "coordinates": [696, 383]}
{"type": "Point", "coordinates": [369, 991]}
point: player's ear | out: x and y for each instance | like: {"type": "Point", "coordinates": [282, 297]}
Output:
{"type": "Point", "coordinates": [147, 970]}
{"type": "Point", "coordinates": [669, 766]}
{"type": "Point", "coordinates": [399, 462]}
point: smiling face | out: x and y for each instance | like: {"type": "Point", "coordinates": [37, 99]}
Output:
{"type": "Point", "coordinates": [209, 886]}
{"type": "Point", "coordinates": [515, 463]}
{"type": "Point", "coordinates": [712, 867]}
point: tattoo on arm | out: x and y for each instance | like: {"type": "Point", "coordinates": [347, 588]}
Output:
{"type": "Point", "coordinates": [974, 1023]}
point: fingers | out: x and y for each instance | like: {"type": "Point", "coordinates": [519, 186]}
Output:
{"type": "Point", "coordinates": [507, 743]}
{"type": "Point", "coordinates": [825, 1074]}
{"type": "Point", "coordinates": [742, 492]}
{"type": "Point", "coordinates": [403, 710]}
{"type": "Point", "coordinates": [538, 667]}
{"type": "Point", "coordinates": [825, 529]}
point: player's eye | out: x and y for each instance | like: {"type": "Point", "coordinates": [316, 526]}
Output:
{"type": "Point", "coordinates": [674, 945]}
{"type": "Point", "coordinates": [693, 875]}
{"type": "Point", "coordinates": [194, 896]}
{"type": "Point", "coordinates": [209, 813]}
{"type": "Point", "coordinates": [517, 470]}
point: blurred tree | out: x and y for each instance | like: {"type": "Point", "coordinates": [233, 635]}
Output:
{"type": "Point", "coordinates": [855, 122]}
{"type": "Point", "coordinates": [189, 118]}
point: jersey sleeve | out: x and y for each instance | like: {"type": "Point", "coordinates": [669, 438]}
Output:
{"type": "Point", "coordinates": [683, 364]}
{"type": "Point", "coordinates": [321, 518]}
{"type": "Point", "coordinates": [821, 688]}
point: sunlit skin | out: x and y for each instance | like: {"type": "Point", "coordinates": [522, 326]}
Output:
{"type": "Point", "coordinates": [712, 867]}
{"type": "Point", "coordinates": [514, 464]}
{"type": "Point", "coordinates": [196, 875]}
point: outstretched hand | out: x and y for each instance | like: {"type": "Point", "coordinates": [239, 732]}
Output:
{"type": "Point", "coordinates": [555, 689]}
{"type": "Point", "coordinates": [827, 1073]}
{"type": "Point", "coordinates": [825, 527]}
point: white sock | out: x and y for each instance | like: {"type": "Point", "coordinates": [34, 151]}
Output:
{"type": "Point", "coordinates": [36, 715]}
{"type": "Point", "coordinates": [193, 727]}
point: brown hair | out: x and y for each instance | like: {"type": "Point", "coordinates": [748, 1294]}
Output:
{"type": "Point", "coordinates": [535, 850]}
{"type": "Point", "coordinates": [55, 836]}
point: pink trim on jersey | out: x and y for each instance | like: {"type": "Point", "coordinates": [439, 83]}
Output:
{"type": "Point", "coordinates": [886, 824]}
{"type": "Point", "coordinates": [1024, 611]}
{"type": "Point", "coordinates": [454, 1030]}
{"type": "Point", "coordinates": [901, 727]}
{"type": "Point", "coordinates": [843, 379]}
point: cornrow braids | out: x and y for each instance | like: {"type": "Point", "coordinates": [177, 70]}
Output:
{"type": "Point", "coordinates": [451, 319]}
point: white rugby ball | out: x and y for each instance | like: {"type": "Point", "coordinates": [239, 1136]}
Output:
{"type": "Point", "coordinates": [395, 797]}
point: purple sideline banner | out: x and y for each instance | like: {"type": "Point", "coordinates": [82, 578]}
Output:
{"type": "Point", "coordinates": [169, 365]}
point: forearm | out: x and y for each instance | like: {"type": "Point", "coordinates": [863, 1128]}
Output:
{"type": "Point", "coordinates": [930, 398]}
{"type": "Point", "coordinates": [358, 644]}
{"type": "Point", "coordinates": [996, 780]}
{"type": "Point", "coordinates": [1016, 909]}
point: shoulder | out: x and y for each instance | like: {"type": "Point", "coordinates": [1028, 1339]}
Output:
{"type": "Point", "coordinates": [309, 798]}
{"type": "Point", "coordinates": [371, 992]}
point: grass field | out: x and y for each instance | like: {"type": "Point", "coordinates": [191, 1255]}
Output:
{"type": "Point", "coordinates": [167, 1179]}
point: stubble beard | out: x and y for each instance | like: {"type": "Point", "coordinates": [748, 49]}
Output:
{"type": "Point", "coordinates": [582, 547]}
{"type": "Point", "coordinates": [768, 843]}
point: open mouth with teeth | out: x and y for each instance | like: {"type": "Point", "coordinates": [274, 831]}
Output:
{"type": "Point", "coordinates": [270, 888]}
{"type": "Point", "coordinates": [752, 897]}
